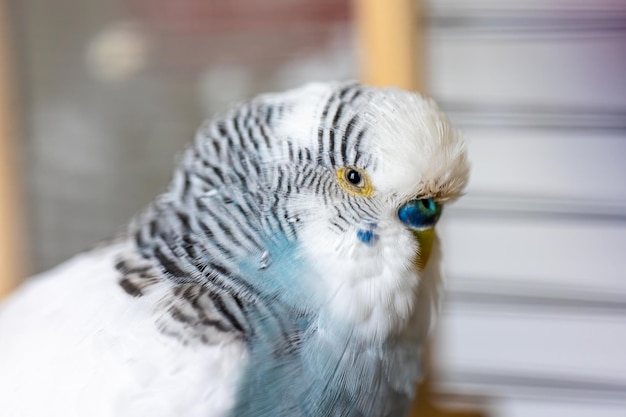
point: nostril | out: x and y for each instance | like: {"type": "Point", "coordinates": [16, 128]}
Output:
{"type": "Point", "coordinates": [428, 203]}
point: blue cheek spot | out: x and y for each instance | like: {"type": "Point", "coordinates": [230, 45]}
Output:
{"type": "Point", "coordinates": [367, 236]}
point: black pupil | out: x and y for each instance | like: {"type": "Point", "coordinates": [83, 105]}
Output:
{"type": "Point", "coordinates": [354, 177]}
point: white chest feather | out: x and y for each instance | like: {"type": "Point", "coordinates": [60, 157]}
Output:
{"type": "Point", "coordinates": [371, 288]}
{"type": "Point", "coordinates": [72, 343]}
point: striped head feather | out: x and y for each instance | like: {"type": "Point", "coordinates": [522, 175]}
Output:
{"type": "Point", "coordinates": [293, 199]}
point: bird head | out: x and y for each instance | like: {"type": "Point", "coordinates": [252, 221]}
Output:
{"type": "Point", "coordinates": [372, 169]}
{"type": "Point", "coordinates": [325, 196]}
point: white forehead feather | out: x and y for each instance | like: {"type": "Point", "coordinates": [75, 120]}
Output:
{"type": "Point", "coordinates": [417, 149]}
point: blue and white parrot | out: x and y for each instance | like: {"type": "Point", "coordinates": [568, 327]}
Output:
{"type": "Point", "coordinates": [282, 274]}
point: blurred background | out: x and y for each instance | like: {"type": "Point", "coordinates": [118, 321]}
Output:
{"type": "Point", "coordinates": [103, 94]}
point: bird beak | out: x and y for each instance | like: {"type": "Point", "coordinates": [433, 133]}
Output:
{"type": "Point", "coordinates": [421, 215]}
{"type": "Point", "coordinates": [425, 239]}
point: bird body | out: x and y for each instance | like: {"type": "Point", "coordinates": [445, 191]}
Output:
{"type": "Point", "coordinates": [279, 275]}
{"type": "Point", "coordinates": [96, 354]}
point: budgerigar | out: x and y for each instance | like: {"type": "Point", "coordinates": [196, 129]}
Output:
{"type": "Point", "coordinates": [283, 273]}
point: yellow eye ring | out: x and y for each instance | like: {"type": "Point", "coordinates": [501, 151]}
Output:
{"type": "Point", "coordinates": [355, 181]}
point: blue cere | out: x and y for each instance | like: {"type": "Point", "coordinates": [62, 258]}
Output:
{"type": "Point", "coordinates": [367, 236]}
{"type": "Point", "coordinates": [420, 214]}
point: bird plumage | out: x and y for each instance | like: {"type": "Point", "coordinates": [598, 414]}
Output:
{"type": "Point", "coordinates": [72, 343]}
{"type": "Point", "coordinates": [267, 281]}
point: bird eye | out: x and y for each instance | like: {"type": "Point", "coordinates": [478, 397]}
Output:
{"type": "Point", "coordinates": [353, 176]}
{"type": "Point", "coordinates": [355, 181]}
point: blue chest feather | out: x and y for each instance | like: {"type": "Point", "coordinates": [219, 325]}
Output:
{"type": "Point", "coordinates": [300, 365]}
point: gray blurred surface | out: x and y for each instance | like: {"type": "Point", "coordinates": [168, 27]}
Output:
{"type": "Point", "coordinates": [534, 321]}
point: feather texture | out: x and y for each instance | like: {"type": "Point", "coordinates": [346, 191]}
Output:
{"type": "Point", "coordinates": [248, 288]}
{"type": "Point", "coordinates": [72, 343]}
